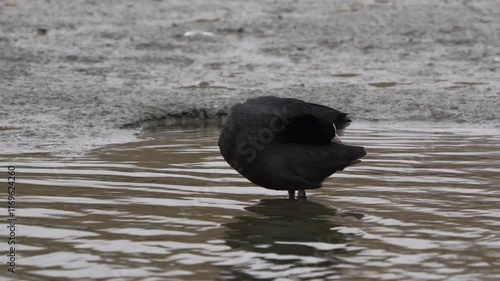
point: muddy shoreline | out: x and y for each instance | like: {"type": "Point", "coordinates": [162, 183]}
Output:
{"type": "Point", "coordinates": [78, 76]}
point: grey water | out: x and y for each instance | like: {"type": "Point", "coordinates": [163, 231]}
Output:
{"type": "Point", "coordinates": [423, 205]}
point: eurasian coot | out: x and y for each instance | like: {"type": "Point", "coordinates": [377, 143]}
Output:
{"type": "Point", "coordinates": [286, 144]}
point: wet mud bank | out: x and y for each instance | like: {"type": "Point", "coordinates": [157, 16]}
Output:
{"type": "Point", "coordinates": [78, 76]}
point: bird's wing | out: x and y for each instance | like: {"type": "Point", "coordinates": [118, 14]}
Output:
{"type": "Point", "coordinates": [340, 119]}
{"type": "Point", "coordinates": [292, 108]}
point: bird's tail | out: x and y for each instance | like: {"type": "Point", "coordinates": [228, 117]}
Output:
{"type": "Point", "coordinates": [353, 154]}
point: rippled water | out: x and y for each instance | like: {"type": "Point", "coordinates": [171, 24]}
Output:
{"type": "Point", "coordinates": [423, 205]}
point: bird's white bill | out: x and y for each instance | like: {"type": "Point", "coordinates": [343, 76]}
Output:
{"type": "Point", "coordinates": [337, 139]}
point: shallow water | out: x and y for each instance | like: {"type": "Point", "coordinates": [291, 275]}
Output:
{"type": "Point", "coordinates": [423, 205]}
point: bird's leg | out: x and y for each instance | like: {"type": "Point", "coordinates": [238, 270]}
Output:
{"type": "Point", "coordinates": [291, 194]}
{"type": "Point", "coordinates": [301, 194]}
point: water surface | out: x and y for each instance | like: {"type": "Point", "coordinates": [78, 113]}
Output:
{"type": "Point", "coordinates": [423, 205]}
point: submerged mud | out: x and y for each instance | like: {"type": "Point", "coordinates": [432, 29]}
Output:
{"type": "Point", "coordinates": [78, 75]}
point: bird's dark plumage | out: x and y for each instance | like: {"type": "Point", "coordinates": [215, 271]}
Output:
{"type": "Point", "coordinates": [285, 143]}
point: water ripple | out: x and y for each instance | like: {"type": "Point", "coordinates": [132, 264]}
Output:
{"type": "Point", "coordinates": [423, 205]}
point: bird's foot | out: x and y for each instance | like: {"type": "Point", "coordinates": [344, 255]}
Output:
{"type": "Point", "coordinates": [291, 194]}
{"type": "Point", "coordinates": [301, 194]}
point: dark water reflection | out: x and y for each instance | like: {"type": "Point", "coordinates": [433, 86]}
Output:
{"type": "Point", "coordinates": [285, 236]}
{"type": "Point", "coordinates": [423, 205]}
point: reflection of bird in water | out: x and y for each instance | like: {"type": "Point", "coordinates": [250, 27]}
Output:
{"type": "Point", "coordinates": [283, 235]}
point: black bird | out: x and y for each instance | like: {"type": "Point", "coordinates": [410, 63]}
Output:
{"type": "Point", "coordinates": [286, 144]}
